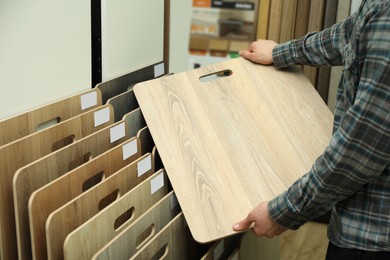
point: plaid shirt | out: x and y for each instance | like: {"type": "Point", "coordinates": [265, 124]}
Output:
{"type": "Point", "coordinates": [352, 176]}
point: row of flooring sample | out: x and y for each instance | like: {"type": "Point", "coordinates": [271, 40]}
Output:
{"type": "Point", "coordinates": [69, 123]}
{"type": "Point", "coordinates": [89, 183]}
{"type": "Point", "coordinates": [92, 186]}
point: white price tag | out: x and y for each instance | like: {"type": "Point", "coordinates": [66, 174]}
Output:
{"type": "Point", "coordinates": [102, 116]}
{"type": "Point", "coordinates": [117, 132]}
{"type": "Point", "coordinates": [144, 165]}
{"type": "Point", "coordinates": [159, 70]}
{"type": "Point", "coordinates": [129, 149]}
{"type": "Point", "coordinates": [88, 100]}
{"type": "Point", "coordinates": [157, 183]}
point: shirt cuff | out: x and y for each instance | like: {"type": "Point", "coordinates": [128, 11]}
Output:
{"type": "Point", "coordinates": [279, 210]}
{"type": "Point", "coordinates": [281, 55]}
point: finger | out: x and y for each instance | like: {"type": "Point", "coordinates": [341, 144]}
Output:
{"type": "Point", "coordinates": [243, 225]}
{"type": "Point", "coordinates": [245, 54]}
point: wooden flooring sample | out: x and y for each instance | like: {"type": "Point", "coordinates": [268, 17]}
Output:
{"type": "Point", "coordinates": [71, 215]}
{"type": "Point", "coordinates": [87, 239]}
{"type": "Point", "coordinates": [229, 143]}
{"type": "Point", "coordinates": [58, 192]}
{"type": "Point", "coordinates": [132, 238]}
{"type": "Point", "coordinates": [37, 174]}
{"type": "Point", "coordinates": [21, 125]}
{"type": "Point", "coordinates": [174, 241]}
{"type": "Point", "coordinates": [30, 148]}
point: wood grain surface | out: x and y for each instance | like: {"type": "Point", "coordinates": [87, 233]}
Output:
{"type": "Point", "coordinates": [233, 142]}
{"type": "Point", "coordinates": [33, 176]}
{"type": "Point", "coordinates": [275, 20]}
{"type": "Point", "coordinates": [25, 150]}
{"type": "Point", "coordinates": [23, 124]}
{"type": "Point", "coordinates": [71, 215]}
{"type": "Point", "coordinates": [223, 248]}
{"type": "Point", "coordinates": [132, 238]}
{"type": "Point", "coordinates": [123, 104]}
{"type": "Point", "coordinates": [88, 238]}
{"type": "Point", "coordinates": [262, 20]}
{"type": "Point", "coordinates": [174, 241]}
{"type": "Point", "coordinates": [53, 195]}
{"type": "Point", "coordinates": [288, 18]}
{"type": "Point", "coordinates": [302, 18]}
{"type": "Point", "coordinates": [315, 24]}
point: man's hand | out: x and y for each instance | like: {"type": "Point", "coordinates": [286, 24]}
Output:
{"type": "Point", "coordinates": [259, 51]}
{"type": "Point", "coordinates": [261, 222]}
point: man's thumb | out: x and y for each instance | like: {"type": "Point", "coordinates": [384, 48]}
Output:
{"type": "Point", "coordinates": [242, 225]}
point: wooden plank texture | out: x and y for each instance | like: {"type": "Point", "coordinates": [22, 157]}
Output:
{"type": "Point", "coordinates": [275, 20]}
{"type": "Point", "coordinates": [71, 215]}
{"type": "Point", "coordinates": [302, 18]}
{"type": "Point", "coordinates": [315, 24]}
{"type": "Point", "coordinates": [53, 195]}
{"type": "Point", "coordinates": [27, 123]}
{"type": "Point", "coordinates": [87, 239]}
{"type": "Point", "coordinates": [113, 87]}
{"type": "Point", "coordinates": [34, 175]}
{"type": "Point", "coordinates": [25, 150]}
{"type": "Point", "coordinates": [288, 17]}
{"type": "Point", "coordinates": [174, 241]}
{"type": "Point", "coordinates": [262, 20]}
{"type": "Point", "coordinates": [132, 238]}
{"type": "Point", "coordinates": [230, 143]}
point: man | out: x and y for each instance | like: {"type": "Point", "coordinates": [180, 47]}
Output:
{"type": "Point", "coordinates": [352, 176]}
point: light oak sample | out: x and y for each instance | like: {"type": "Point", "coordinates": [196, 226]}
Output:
{"type": "Point", "coordinates": [132, 238]}
{"type": "Point", "coordinates": [174, 241]}
{"type": "Point", "coordinates": [53, 195]}
{"type": "Point", "coordinates": [25, 150]}
{"type": "Point", "coordinates": [35, 175]}
{"type": "Point", "coordinates": [229, 143]}
{"type": "Point", "coordinates": [88, 238]}
{"type": "Point", "coordinates": [71, 215]}
{"type": "Point", "coordinates": [27, 123]}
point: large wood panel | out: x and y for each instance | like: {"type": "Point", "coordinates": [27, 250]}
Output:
{"type": "Point", "coordinates": [234, 141]}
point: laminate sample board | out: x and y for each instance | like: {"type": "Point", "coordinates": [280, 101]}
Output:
{"type": "Point", "coordinates": [87, 239]}
{"type": "Point", "coordinates": [27, 149]}
{"type": "Point", "coordinates": [38, 173]}
{"type": "Point", "coordinates": [174, 241]}
{"type": "Point", "coordinates": [71, 215]}
{"type": "Point", "coordinates": [133, 237]}
{"type": "Point", "coordinates": [223, 248]}
{"type": "Point", "coordinates": [58, 192]}
{"type": "Point", "coordinates": [115, 86]}
{"type": "Point", "coordinates": [21, 125]}
{"type": "Point", "coordinates": [229, 143]}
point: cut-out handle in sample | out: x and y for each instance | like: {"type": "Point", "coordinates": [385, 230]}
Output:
{"type": "Point", "coordinates": [216, 75]}
{"type": "Point", "coordinates": [145, 236]}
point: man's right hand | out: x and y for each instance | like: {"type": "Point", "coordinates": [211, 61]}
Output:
{"type": "Point", "coordinates": [259, 51]}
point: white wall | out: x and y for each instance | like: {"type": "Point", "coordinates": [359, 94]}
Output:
{"type": "Point", "coordinates": [45, 47]}
{"type": "Point", "coordinates": [181, 11]}
{"type": "Point", "coordinates": [45, 52]}
{"type": "Point", "coordinates": [132, 35]}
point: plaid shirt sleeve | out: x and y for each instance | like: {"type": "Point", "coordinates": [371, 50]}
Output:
{"type": "Point", "coordinates": [357, 159]}
{"type": "Point", "coordinates": [317, 48]}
